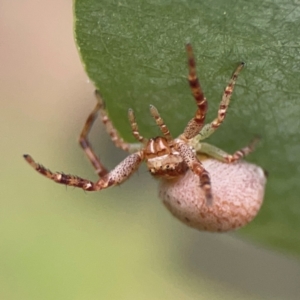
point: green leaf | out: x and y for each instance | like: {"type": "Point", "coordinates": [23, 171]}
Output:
{"type": "Point", "coordinates": [134, 52]}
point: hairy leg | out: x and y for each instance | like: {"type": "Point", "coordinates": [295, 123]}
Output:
{"type": "Point", "coordinates": [160, 123]}
{"type": "Point", "coordinates": [221, 155]}
{"type": "Point", "coordinates": [210, 128]}
{"type": "Point", "coordinates": [119, 174]}
{"type": "Point", "coordinates": [195, 165]}
{"type": "Point", "coordinates": [195, 124]}
{"type": "Point", "coordinates": [117, 140]}
{"type": "Point", "coordinates": [86, 146]}
{"type": "Point", "coordinates": [111, 130]}
{"type": "Point", "coordinates": [135, 128]}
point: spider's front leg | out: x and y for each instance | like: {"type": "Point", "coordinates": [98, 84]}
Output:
{"type": "Point", "coordinates": [195, 165]}
{"type": "Point", "coordinates": [119, 174]}
{"type": "Point", "coordinates": [210, 128]}
{"type": "Point", "coordinates": [195, 124]}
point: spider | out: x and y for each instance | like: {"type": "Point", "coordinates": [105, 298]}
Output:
{"type": "Point", "coordinates": [168, 159]}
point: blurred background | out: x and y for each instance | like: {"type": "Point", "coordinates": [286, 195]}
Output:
{"type": "Point", "coordinates": [63, 243]}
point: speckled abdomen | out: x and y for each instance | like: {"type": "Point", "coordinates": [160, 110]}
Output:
{"type": "Point", "coordinates": [238, 192]}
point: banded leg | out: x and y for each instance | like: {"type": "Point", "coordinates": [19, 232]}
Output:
{"type": "Point", "coordinates": [135, 128]}
{"type": "Point", "coordinates": [110, 129]}
{"type": "Point", "coordinates": [119, 174]}
{"type": "Point", "coordinates": [195, 124]}
{"type": "Point", "coordinates": [116, 139]}
{"type": "Point", "coordinates": [160, 123]}
{"type": "Point", "coordinates": [210, 128]}
{"type": "Point", "coordinates": [58, 177]}
{"type": "Point", "coordinates": [221, 155]}
{"type": "Point", "coordinates": [85, 144]}
{"type": "Point", "coordinates": [195, 165]}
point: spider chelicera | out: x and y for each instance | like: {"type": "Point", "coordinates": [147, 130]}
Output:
{"type": "Point", "coordinates": [166, 158]}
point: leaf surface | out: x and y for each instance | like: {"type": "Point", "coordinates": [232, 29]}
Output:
{"type": "Point", "coordinates": [134, 52]}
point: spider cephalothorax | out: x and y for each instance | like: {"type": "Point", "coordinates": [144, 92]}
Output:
{"type": "Point", "coordinates": [166, 158]}
{"type": "Point", "coordinates": [163, 160]}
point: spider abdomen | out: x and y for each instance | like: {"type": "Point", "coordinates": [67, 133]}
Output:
{"type": "Point", "coordinates": [238, 192]}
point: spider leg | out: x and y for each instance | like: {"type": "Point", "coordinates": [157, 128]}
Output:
{"type": "Point", "coordinates": [134, 127]}
{"type": "Point", "coordinates": [117, 140]}
{"type": "Point", "coordinates": [119, 174]}
{"type": "Point", "coordinates": [195, 124]}
{"type": "Point", "coordinates": [210, 128]}
{"type": "Point", "coordinates": [160, 123]}
{"type": "Point", "coordinates": [85, 144]}
{"type": "Point", "coordinates": [223, 156]}
{"type": "Point", "coordinates": [111, 130]}
{"type": "Point", "coordinates": [58, 177]}
{"type": "Point", "coordinates": [195, 166]}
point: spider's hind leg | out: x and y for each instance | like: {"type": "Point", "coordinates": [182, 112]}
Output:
{"type": "Point", "coordinates": [114, 135]}
{"type": "Point", "coordinates": [223, 156]}
{"type": "Point", "coordinates": [86, 146]}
